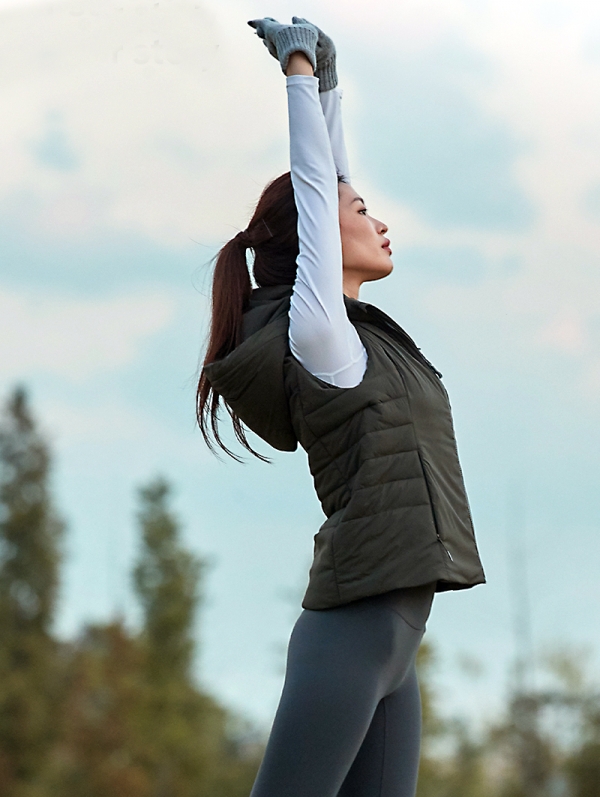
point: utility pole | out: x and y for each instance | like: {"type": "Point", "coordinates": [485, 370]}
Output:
{"type": "Point", "coordinates": [519, 589]}
{"type": "Point", "coordinates": [524, 701]}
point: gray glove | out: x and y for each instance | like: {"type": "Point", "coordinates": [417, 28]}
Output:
{"type": "Point", "coordinates": [283, 40]}
{"type": "Point", "coordinates": [325, 52]}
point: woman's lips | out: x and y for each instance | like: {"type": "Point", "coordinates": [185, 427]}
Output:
{"type": "Point", "coordinates": [386, 245]}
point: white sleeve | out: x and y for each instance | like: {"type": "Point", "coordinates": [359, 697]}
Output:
{"type": "Point", "coordinates": [331, 102]}
{"type": "Point", "coordinates": [321, 336]}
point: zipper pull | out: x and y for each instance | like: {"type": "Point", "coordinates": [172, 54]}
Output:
{"type": "Point", "coordinates": [444, 547]}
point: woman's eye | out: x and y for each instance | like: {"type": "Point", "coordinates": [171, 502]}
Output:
{"type": "Point", "coordinates": [362, 210]}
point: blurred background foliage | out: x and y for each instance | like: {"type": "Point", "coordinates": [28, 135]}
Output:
{"type": "Point", "coordinates": [116, 712]}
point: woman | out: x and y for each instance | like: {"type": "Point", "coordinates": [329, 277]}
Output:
{"type": "Point", "coordinates": [300, 359]}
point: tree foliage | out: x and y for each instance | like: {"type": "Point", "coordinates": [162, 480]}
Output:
{"type": "Point", "coordinates": [100, 750]}
{"type": "Point", "coordinates": [115, 712]}
{"type": "Point", "coordinates": [185, 730]}
{"type": "Point", "coordinates": [30, 534]}
{"type": "Point", "coordinates": [166, 579]}
{"type": "Point", "coordinates": [546, 743]}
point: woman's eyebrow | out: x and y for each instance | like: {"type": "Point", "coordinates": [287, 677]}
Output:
{"type": "Point", "coordinates": [359, 198]}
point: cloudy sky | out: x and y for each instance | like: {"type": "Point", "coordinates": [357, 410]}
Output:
{"type": "Point", "coordinates": [135, 139]}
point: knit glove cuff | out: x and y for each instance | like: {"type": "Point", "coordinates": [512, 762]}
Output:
{"type": "Point", "coordinates": [327, 75]}
{"type": "Point", "coordinates": [296, 38]}
{"type": "Point", "coordinates": [325, 53]}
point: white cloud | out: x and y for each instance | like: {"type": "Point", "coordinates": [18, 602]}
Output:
{"type": "Point", "coordinates": [76, 338]}
{"type": "Point", "coordinates": [565, 332]}
{"type": "Point", "coordinates": [109, 423]}
{"type": "Point", "coordinates": [98, 423]}
{"type": "Point", "coordinates": [544, 88]}
{"type": "Point", "coordinates": [176, 115]}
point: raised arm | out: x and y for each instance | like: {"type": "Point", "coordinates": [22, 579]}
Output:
{"type": "Point", "coordinates": [331, 103]}
{"type": "Point", "coordinates": [321, 336]}
{"type": "Point", "coordinates": [330, 97]}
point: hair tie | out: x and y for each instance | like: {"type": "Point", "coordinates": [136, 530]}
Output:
{"type": "Point", "coordinates": [255, 235]}
{"type": "Point", "coordinates": [242, 237]}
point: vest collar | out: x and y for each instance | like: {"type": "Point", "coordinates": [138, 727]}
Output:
{"type": "Point", "coordinates": [270, 302]}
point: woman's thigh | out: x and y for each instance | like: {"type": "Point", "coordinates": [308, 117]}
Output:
{"type": "Point", "coordinates": [331, 690]}
{"type": "Point", "coordinates": [387, 763]}
{"type": "Point", "coordinates": [341, 663]}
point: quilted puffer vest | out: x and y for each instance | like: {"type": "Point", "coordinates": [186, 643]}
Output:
{"type": "Point", "coordinates": [382, 454]}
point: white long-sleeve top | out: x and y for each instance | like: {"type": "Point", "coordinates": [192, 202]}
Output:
{"type": "Point", "coordinates": [321, 336]}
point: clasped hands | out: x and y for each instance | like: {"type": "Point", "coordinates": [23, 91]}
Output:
{"type": "Point", "coordinates": [302, 36]}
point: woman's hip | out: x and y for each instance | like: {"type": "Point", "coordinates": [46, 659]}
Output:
{"type": "Point", "coordinates": [376, 638]}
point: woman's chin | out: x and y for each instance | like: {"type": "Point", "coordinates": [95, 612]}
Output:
{"type": "Point", "coordinates": [381, 271]}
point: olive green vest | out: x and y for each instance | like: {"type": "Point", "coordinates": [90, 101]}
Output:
{"type": "Point", "coordinates": [382, 454]}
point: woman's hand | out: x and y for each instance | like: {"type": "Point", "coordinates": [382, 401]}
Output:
{"type": "Point", "coordinates": [284, 40]}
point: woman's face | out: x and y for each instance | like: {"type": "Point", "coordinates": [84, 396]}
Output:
{"type": "Point", "coordinates": [366, 254]}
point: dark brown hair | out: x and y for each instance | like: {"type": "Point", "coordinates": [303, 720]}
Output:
{"type": "Point", "coordinates": [272, 235]}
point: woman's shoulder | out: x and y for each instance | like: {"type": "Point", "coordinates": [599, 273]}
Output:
{"type": "Point", "coordinates": [266, 305]}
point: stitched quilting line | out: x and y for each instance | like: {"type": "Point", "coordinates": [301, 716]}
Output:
{"type": "Point", "coordinates": [378, 484]}
{"type": "Point", "coordinates": [360, 441]}
{"type": "Point", "coordinates": [366, 403]}
{"type": "Point", "coordinates": [377, 512]}
{"type": "Point", "coordinates": [356, 490]}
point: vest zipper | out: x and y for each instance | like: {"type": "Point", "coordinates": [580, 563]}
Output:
{"type": "Point", "coordinates": [437, 534]}
{"type": "Point", "coordinates": [444, 547]}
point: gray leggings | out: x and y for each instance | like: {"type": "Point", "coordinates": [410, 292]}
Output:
{"type": "Point", "coordinates": [349, 719]}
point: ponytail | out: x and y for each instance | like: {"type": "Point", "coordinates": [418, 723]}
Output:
{"type": "Point", "coordinates": [231, 291]}
{"type": "Point", "coordinates": [273, 237]}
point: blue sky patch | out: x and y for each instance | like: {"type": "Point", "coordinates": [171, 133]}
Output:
{"type": "Point", "coordinates": [54, 148]}
{"type": "Point", "coordinates": [100, 262]}
{"type": "Point", "coordinates": [429, 143]}
{"type": "Point", "coordinates": [458, 265]}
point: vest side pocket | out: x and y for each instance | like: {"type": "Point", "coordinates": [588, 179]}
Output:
{"type": "Point", "coordinates": [424, 468]}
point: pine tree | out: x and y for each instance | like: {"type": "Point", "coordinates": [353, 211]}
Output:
{"type": "Point", "coordinates": [167, 579]}
{"type": "Point", "coordinates": [30, 534]}
{"type": "Point", "coordinates": [100, 751]}
{"type": "Point", "coordinates": [185, 728]}
{"type": "Point", "coordinates": [134, 722]}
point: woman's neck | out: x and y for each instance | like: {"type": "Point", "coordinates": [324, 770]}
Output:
{"type": "Point", "coordinates": [351, 285]}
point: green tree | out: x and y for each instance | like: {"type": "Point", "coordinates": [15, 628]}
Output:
{"type": "Point", "coordinates": [530, 750]}
{"type": "Point", "coordinates": [452, 760]}
{"type": "Point", "coordinates": [188, 746]}
{"type": "Point", "coordinates": [167, 582]}
{"type": "Point", "coordinates": [100, 749]}
{"type": "Point", "coordinates": [135, 724]}
{"type": "Point", "coordinates": [30, 533]}
{"type": "Point", "coordinates": [583, 765]}
{"type": "Point", "coordinates": [580, 696]}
